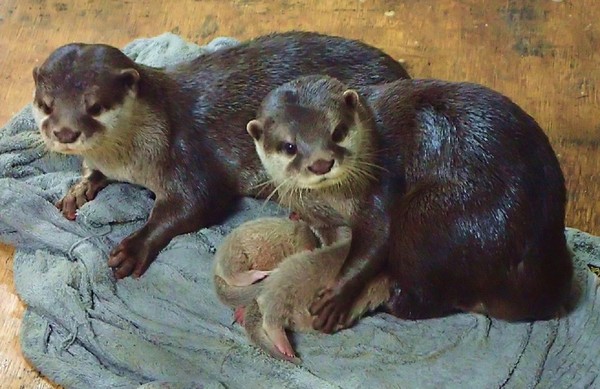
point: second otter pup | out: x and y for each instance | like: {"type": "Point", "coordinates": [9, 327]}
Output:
{"type": "Point", "coordinates": [450, 189]}
{"type": "Point", "coordinates": [282, 298]}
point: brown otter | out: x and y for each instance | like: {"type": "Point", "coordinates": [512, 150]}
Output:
{"type": "Point", "coordinates": [251, 251]}
{"type": "Point", "coordinates": [282, 298]}
{"type": "Point", "coordinates": [450, 189]}
{"type": "Point", "coordinates": [179, 131]}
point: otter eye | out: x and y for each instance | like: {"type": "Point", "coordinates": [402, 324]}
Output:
{"type": "Point", "coordinates": [289, 148]}
{"type": "Point", "coordinates": [94, 109]}
{"type": "Point", "coordinates": [45, 107]}
{"type": "Point", "coordinates": [339, 133]}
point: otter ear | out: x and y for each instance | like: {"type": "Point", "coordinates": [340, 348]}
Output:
{"type": "Point", "coordinates": [255, 129]}
{"type": "Point", "coordinates": [36, 73]}
{"type": "Point", "coordinates": [351, 98]}
{"type": "Point", "coordinates": [129, 78]}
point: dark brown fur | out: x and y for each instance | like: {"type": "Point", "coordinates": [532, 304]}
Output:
{"type": "Point", "coordinates": [465, 202]}
{"type": "Point", "coordinates": [179, 131]}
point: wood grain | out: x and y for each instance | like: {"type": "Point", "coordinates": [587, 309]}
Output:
{"type": "Point", "coordinates": [544, 55]}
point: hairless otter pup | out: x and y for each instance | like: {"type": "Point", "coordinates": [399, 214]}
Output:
{"type": "Point", "coordinates": [450, 189]}
{"type": "Point", "coordinates": [179, 131]}
{"type": "Point", "coordinates": [274, 267]}
{"type": "Point", "coordinates": [251, 251]}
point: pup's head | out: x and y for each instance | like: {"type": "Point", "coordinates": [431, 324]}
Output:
{"type": "Point", "coordinates": [313, 133]}
{"type": "Point", "coordinates": [82, 94]}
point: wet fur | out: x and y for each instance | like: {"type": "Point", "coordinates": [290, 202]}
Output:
{"type": "Point", "coordinates": [469, 201]}
{"type": "Point", "coordinates": [180, 131]}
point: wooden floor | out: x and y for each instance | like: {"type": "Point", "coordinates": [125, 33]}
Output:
{"type": "Point", "coordinates": [543, 54]}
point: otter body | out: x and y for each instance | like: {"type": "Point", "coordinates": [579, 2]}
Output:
{"type": "Point", "coordinates": [452, 191]}
{"type": "Point", "coordinates": [251, 251]}
{"type": "Point", "coordinates": [179, 131]}
{"type": "Point", "coordinates": [273, 268]}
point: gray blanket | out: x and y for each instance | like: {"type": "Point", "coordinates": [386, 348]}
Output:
{"type": "Point", "coordinates": [167, 329]}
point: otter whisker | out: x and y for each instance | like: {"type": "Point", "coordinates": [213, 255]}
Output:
{"type": "Point", "coordinates": [365, 162]}
{"type": "Point", "coordinates": [262, 186]}
{"type": "Point", "coordinates": [364, 173]}
{"type": "Point", "coordinates": [274, 192]}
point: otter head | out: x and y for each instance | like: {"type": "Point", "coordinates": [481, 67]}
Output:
{"type": "Point", "coordinates": [82, 95]}
{"type": "Point", "coordinates": [313, 133]}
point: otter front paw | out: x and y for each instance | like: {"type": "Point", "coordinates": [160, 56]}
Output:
{"type": "Point", "coordinates": [131, 257]}
{"type": "Point", "coordinates": [79, 194]}
{"type": "Point", "coordinates": [332, 309]}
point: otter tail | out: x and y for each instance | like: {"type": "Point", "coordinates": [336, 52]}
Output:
{"type": "Point", "coordinates": [236, 296]}
{"type": "Point", "coordinates": [253, 323]}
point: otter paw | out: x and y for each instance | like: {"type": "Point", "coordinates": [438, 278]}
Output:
{"type": "Point", "coordinates": [239, 315]}
{"type": "Point", "coordinates": [131, 257]}
{"type": "Point", "coordinates": [282, 348]}
{"type": "Point", "coordinates": [332, 310]}
{"type": "Point", "coordinates": [79, 194]}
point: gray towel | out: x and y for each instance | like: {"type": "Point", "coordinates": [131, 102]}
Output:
{"type": "Point", "coordinates": [167, 329]}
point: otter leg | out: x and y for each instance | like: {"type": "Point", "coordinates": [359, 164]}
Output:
{"type": "Point", "coordinates": [85, 190]}
{"type": "Point", "coordinates": [271, 338]}
{"type": "Point", "coordinates": [170, 217]}
{"type": "Point", "coordinates": [438, 262]}
{"type": "Point", "coordinates": [280, 340]}
{"type": "Point", "coordinates": [442, 259]}
{"type": "Point", "coordinates": [419, 304]}
{"type": "Point", "coordinates": [365, 261]}
{"type": "Point", "coordinates": [179, 210]}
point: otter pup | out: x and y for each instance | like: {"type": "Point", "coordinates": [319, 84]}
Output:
{"type": "Point", "coordinates": [282, 298]}
{"type": "Point", "coordinates": [251, 251]}
{"type": "Point", "coordinates": [178, 131]}
{"type": "Point", "coordinates": [450, 189]}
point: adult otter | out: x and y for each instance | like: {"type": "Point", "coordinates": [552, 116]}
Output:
{"type": "Point", "coordinates": [179, 131]}
{"type": "Point", "coordinates": [450, 189]}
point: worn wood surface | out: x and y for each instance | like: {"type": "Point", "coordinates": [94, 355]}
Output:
{"type": "Point", "coordinates": [545, 55]}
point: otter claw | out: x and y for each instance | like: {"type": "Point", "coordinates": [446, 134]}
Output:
{"type": "Point", "coordinates": [131, 257]}
{"type": "Point", "coordinates": [331, 311]}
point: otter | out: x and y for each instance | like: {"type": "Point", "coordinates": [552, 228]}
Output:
{"type": "Point", "coordinates": [450, 189]}
{"type": "Point", "coordinates": [269, 269]}
{"type": "Point", "coordinates": [179, 131]}
{"type": "Point", "coordinates": [251, 251]}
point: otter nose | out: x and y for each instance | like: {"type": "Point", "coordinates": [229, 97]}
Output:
{"type": "Point", "coordinates": [321, 166]}
{"type": "Point", "coordinates": [66, 135]}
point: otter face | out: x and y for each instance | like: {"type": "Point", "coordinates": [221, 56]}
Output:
{"type": "Point", "coordinates": [82, 93]}
{"type": "Point", "coordinates": [309, 147]}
